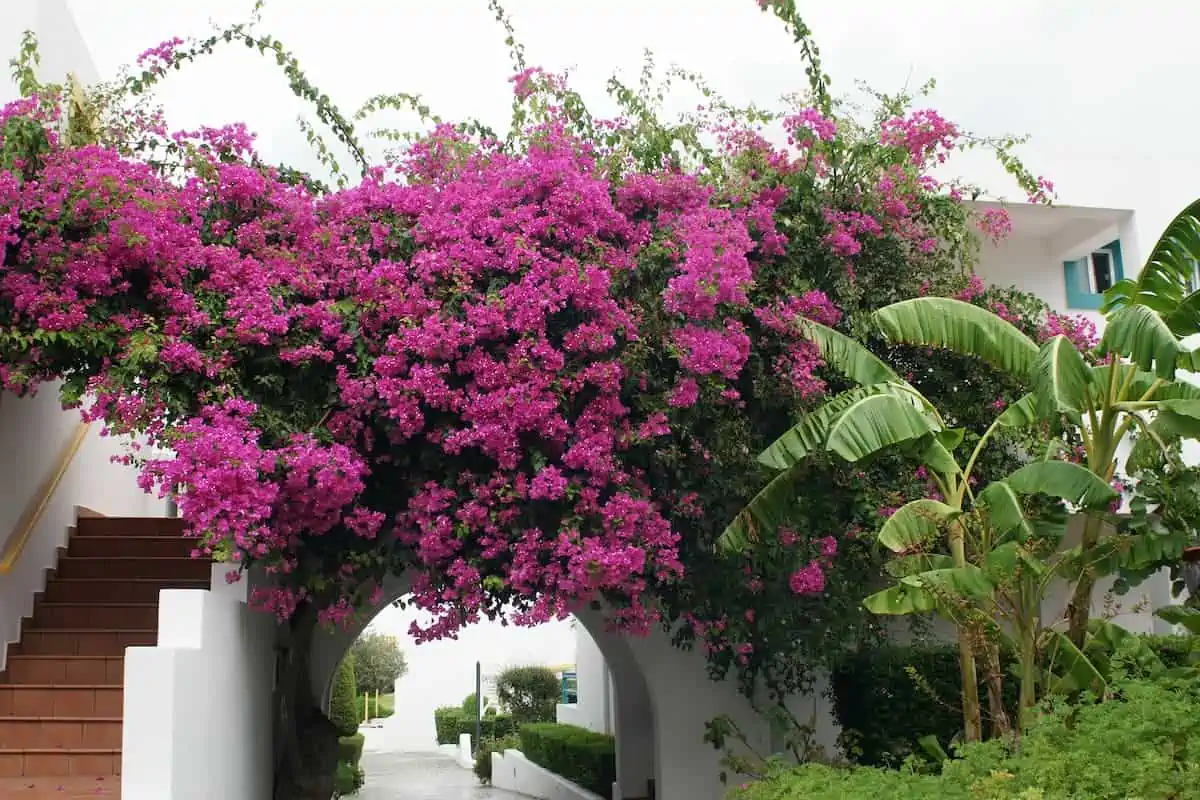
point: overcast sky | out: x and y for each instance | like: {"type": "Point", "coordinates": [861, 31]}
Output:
{"type": "Point", "coordinates": [1104, 88]}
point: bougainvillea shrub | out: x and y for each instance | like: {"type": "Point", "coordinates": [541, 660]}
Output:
{"type": "Point", "coordinates": [533, 370]}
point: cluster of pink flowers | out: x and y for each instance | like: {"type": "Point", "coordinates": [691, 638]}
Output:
{"type": "Point", "coordinates": [160, 55]}
{"type": "Point", "coordinates": [995, 223]}
{"type": "Point", "coordinates": [1080, 330]}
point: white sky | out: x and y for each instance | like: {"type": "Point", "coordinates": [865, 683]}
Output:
{"type": "Point", "coordinates": [1104, 88]}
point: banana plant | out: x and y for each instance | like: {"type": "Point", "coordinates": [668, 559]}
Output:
{"type": "Point", "coordinates": [1136, 389]}
{"type": "Point", "coordinates": [887, 412]}
{"type": "Point", "coordinates": [1167, 283]}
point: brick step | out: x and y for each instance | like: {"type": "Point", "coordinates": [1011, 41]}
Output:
{"type": "Point", "coordinates": [129, 526]}
{"type": "Point", "coordinates": [111, 590]}
{"type": "Point", "coordinates": [34, 700]}
{"type": "Point", "coordinates": [64, 670]}
{"type": "Point", "coordinates": [93, 765]}
{"type": "Point", "coordinates": [127, 546]}
{"type": "Point", "coordinates": [81, 641]}
{"type": "Point", "coordinates": [108, 616]}
{"type": "Point", "coordinates": [122, 568]}
{"type": "Point", "coordinates": [60, 733]}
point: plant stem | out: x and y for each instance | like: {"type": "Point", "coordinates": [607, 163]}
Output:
{"type": "Point", "coordinates": [1079, 608]}
{"type": "Point", "coordinates": [972, 722]}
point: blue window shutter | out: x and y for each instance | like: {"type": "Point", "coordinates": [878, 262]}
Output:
{"type": "Point", "coordinates": [1118, 261]}
{"type": "Point", "coordinates": [1079, 293]}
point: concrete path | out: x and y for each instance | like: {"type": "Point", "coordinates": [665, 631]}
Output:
{"type": "Point", "coordinates": [405, 764]}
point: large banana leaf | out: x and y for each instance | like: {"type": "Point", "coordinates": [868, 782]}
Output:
{"type": "Point", "coordinates": [1142, 381]}
{"type": "Point", "coordinates": [1064, 480]}
{"type": "Point", "coordinates": [960, 327]}
{"type": "Point", "coordinates": [763, 515]}
{"type": "Point", "coordinates": [1138, 333]}
{"type": "Point", "coordinates": [966, 581]}
{"type": "Point", "coordinates": [915, 524]}
{"type": "Point", "coordinates": [876, 423]}
{"type": "Point", "coordinates": [902, 599]}
{"type": "Point", "coordinates": [849, 357]}
{"type": "Point", "coordinates": [810, 434]}
{"type": "Point", "coordinates": [1020, 414]}
{"type": "Point", "coordinates": [1070, 670]}
{"type": "Point", "coordinates": [1164, 282]}
{"type": "Point", "coordinates": [1005, 512]}
{"type": "Point", "coordinates": [1061, 379]}
{"type": "Point", "coordinates": [1106, 639]}
{"type": "Point", "coordinates": [1189, 618]}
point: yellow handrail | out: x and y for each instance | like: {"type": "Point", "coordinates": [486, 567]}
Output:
{"type": "Point", "coordinates": [37, 506]}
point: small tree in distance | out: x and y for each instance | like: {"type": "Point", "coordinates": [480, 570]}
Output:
{"type": "Point", "coordinates": [528, 693]}
{"type": "Point", "coordinates": [378, 662]}
{"type": "Point", "coordinates": [343, 708]}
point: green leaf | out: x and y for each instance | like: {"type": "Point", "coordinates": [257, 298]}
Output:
{"type": "Point", "coordinates": [1061, 379]}
{"type": "Point", "coordinates": [1136, 332]}
{"type": "Point", "coordinates": [939, 459]}
{"type": "Point", "coordinates": [902, 599]}
{"type": "Point", "coordinates": [1072, 671]}
{"type": "Point", "coordinates": [1020, 414]}
{"type": "Point", "coordinates": [811, 433]}
{"type": "Point", "coordinates": [875, 423]}
{"type": "Point", "coordinates": [968, 581]}
{"type": "Point", "coordinates": [1188, 618]}
{"type": "Point", "coordinates": [1106, 639]}
{"type": "Point", "coordinates": [915, 524]}
{"type": "Point", "coordinates": [1064, 480]}
{"type": "Point", "coordinates": [1005, 511]}
{"type": "Point", "coordinates": [960, 327]}
{"type": "Point", "coordinates": [849, 357]}
{"type": "Point", "coordinates": [765, 512]}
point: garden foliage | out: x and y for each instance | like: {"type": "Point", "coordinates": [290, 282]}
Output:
{"type": "Point", "coordinates": [344, 709]}
{"type": "Point", "coordinates": [584, 757]}
{"type": "Point", "coordinates": [529, 694]}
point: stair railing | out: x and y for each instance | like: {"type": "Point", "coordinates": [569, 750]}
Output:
{"type": "Point", "coordinates": [32, 515]}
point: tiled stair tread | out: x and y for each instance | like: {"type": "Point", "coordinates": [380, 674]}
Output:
{"type": "Point", "coordinates": [66, 788]}
{"type": "Point", "coordinates": [60, 719]}
{"type": "Point", "coordinates": [88, 630]}
{"type": "Point", "coordinates": [92, 604]}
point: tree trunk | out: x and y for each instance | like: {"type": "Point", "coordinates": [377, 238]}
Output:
{"type": "Point", "coordinates": [972, 723]}
{"type": "Point", "coordinates": [1079, 607]}
{"type": "Point", "coordinates": [1001, 724]}
{"type": "Point", "coordinates": [306, 742]}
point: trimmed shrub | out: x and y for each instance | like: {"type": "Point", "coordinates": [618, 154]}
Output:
{"type": "Point", "coordinates": [583, 757]}
{"type": "Point", "coordinates": [446, 721]}
{"type": "Point", "coordinates": [350, 748]}
{"type": "Point", "coordinates": [887, 699]}
{"type": "Point", "coordinates": [1134, 746]}
{"type": "Point", "coordinates": [530, 694]}
{"type": "Point", "coordinates": [348, 779]}
{"type": "Point", "coordinates": [343, 709]}
{"type": "Point", "coordinates": [468, 705]}
{"type": "Point", "coordinates": [483, 754]}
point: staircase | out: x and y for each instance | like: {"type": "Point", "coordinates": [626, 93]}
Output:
{"type": "Point", "coordinates": [61, 693]}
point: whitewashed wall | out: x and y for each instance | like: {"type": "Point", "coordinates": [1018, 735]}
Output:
{"type": "Point", "coordinates": [33, 433]}
{"type": "Point", "coordinates": [593, 708]}
{"type": "Point", "coordinates": [197, 713]}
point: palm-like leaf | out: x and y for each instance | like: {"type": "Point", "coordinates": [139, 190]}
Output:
{"type": "Point", "coordinates": [810, 434]}
{"type": "Point", "coordinates": [1020, 414]}
{"type": "Point", "coordinates": [901, 599]}
{"type": "Point", "coordinates": [876, 423]}
{"type": "Point", "coordinates": [849, 357]}
{"type": "Point", "coordinates": [1189, 618]}
{"type": "Point", "coordinates": [1138, 333]}
{"type": "Point", "coordinates": [1063, 480]}
{"type": "Point", "coordinates": [765, 512]}
{"type": "Point", "coordinates": [1164, 283]}
{"type": "Point", "coordinates": [1061, 379]}
{"type": "Point", "coordinates": [1071, 670]}
{"type": "Point", "coordinates": [915, 524]}
{"type": "Point", "coordinates": [1005, 511]}
{"type": "Point", "coordinates": [960, 327]}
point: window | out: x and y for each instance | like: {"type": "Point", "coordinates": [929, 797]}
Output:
{"type": "Point", "coordinates": [1089, 277]}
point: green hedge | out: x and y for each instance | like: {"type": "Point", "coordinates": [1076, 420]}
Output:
{"type": "Point", "coordinates": [349, 776]}
{"type": "Point", "coordinates": [343, 712]}
{"type": "Point", "coordinates": [450, 722]}
{"type": "Point", "coordinates": [483, 754]}
{"type": "Point", "coordinates": [583, 757]}
{"type": "Point", "coordinates": [1138, 746]}
{"type": "Point", "coordinates": [883, 710]}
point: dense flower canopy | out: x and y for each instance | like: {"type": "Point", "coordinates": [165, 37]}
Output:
{"type": "Point", "coordinates": [535, 370]}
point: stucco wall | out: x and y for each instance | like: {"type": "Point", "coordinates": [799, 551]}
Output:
{"type": "Point", "coordinates": [33, 433]}
{"type": "Point", "coordinates": [593, 708]}
{"type": "Point", "coordinates": [197, 714]}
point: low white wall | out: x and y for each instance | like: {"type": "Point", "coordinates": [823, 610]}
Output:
{"type": "Point", "coordinates": [198, 705]}
{"type": "Point", "coordinates": [512, 771]}
{"type": "Point", "coordinates": [570, 714]}
{"type": "Point", "coordinates": [33, 433]}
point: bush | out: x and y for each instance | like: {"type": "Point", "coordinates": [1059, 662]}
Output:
{"type": "Point", "coordinates": [350, 748]}
{"type": "Point", "coordinates": [886, 699]}
{"type": "Point", "coordinates": [450, 721]}
{"type": "Point", "coordinates": [583, 757]}
{"type": "Point", "coordinates": [1139, 745]}
{"type": "Point", "coordinates": [343, 708]}
{"type": "Point", "coordinates": [483, 754]}
{"type": "Point", "coordinates": [468, 705]}
{"type": "Point", "coordinates": [348, 779]}
{"type": "Point", "coordinates": [528, 693]}
{"type": "Point", "coordinates": [1176, 651]}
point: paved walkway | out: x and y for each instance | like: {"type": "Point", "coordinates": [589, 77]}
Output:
{"type": "Point", "coordinates": [405, 764]}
